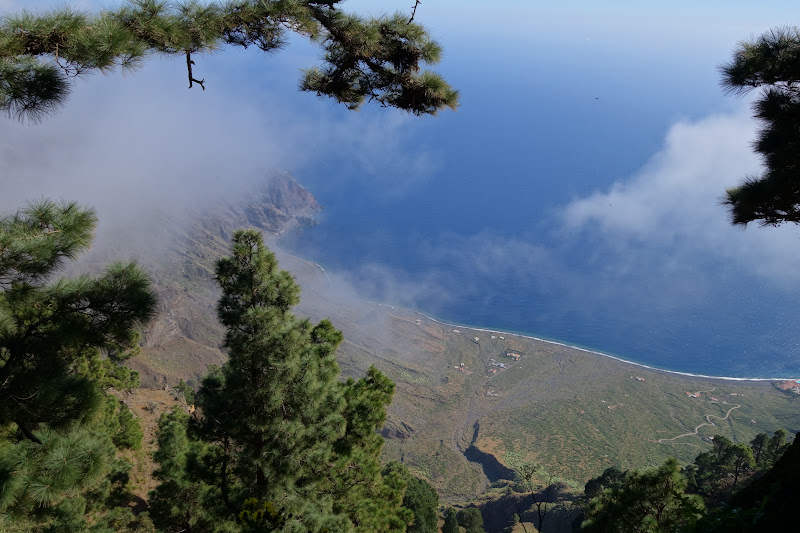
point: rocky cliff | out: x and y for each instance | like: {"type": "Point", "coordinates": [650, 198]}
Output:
{"type": "Point", "coordinates": [274, 207]}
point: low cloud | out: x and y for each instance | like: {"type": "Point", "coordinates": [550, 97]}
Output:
{"type": "Point", "coordinates": [138, 144]}
{"type": "Point", "coordinates": [656, 242]}
{"type": "Point", "coordinates": [678, 190]}
{"type": "Point", "coordinates": [668, 215]}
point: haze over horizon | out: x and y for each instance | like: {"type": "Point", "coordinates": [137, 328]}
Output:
{"type": "Point", "coordinates": [579, 182]}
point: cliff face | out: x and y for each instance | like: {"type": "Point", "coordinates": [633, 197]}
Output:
{"type": "Point", "coordinates": [275, 207]}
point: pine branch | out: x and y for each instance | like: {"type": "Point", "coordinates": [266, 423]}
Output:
{"type": "Point", "coordinates": [27, 432]}
{"type": "Point", "coordinates": [78, 44]}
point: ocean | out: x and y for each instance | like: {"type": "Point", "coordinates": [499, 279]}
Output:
{"type": "Point", "coordinates": [478, 239]}
{"type": "Point", "coordinates": [734, 333]}
{"type": "Point", "coordinates": [584, 211]}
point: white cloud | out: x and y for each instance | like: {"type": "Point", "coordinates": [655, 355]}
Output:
{"type": "Point", "coordinates": [669, 212]}
{"type": "Point", "coordinates": [679, 188]}
{"type": "Point", "coordinates": [131, 144]}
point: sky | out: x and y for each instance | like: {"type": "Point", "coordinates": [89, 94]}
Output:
{"type": "Point", "coordinates": [592, 139]}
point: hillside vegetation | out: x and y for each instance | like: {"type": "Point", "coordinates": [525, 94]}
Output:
{"type": "Point", "coordinates": [574, 411]}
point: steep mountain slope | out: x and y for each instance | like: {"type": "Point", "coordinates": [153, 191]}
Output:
{"type": "Point", "coordinates": [457, 412]}
{"type": "Point", "coordinates": [185, 337]}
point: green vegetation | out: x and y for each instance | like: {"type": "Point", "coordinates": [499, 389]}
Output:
{"type": "Point", "coordinates": [280, 442]}
{"type": "Point", "coordinates": [573, 412]}
{"type": "Point", "coordinates": [649, 501]}
{"type": "Point", "coordinates": [277, 426]}
{"type": "Point", "coordinates": [60, 427]}
{"type": "Point", "coordinates": [668, 498]}
{"type": "Point", "coordinates": [421, 499]}
{"type": "Point", "coordinates": [186, 392]}
{"type": "Point", "coordinates": [770, 63]}
{"type": "Point", "coordinates": [451, 521]}
{"type": "Point", "coordinates": [365, 59]}
{"type": "Point", "coordinates": [471, 520]}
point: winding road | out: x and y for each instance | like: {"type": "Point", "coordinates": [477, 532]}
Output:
{"type": "Point", "coordinates": [708, 423]}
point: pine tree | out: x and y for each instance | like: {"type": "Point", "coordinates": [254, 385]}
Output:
{"type": "Point", "coordinates": [651, 501]}
{"type": "Point", "coordinates": [279, 430]}
{"type": "Point", "coordinates": [46, 328]}
{"type": "Point", "coordinates": [611, 477]}
{"type": "Point", "coordinates": [189, 496]}
{"type": "Point", "coordinates": [759, 445]}
{"type": "Point", "coordinates": [770, 63]}
{"type": "Point", "coordinates": [364, 59]}
{"type": "Point", "coordinates": [421, 499]}
{"type": "Point", "coordinates": [57, 425]}
{"type": "Point", "coordinates": [450, 521]}
{"type": "Point", "coordinates": [776, 446]}
{"type": "Point", "coordinates": [41, 481]}
{"type": "Point", "coordinates": [471, 520]}
{"type": "Point", "coordinates": [741, 460]}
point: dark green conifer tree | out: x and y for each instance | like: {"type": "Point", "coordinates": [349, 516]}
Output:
{"type": "Point", "coordinates": [471, 520]}
{"type": "Point", "coordinates": [189, 494]}
{"type": "Point", "coordinates": [650, 501]}
{"type": "Point", "coordinates": [422, 500]}
{"type": "Point", "coordinates": [57, 426]}
{"type": "Point", "coordinates": [46, 328]}
{"type": "Point", "coordinates": [281, 429]}
{"type": "Point", "coordinates": [741, 461]}
{"type": "Point", "coordinates": [769, 62]}
{"type": "Point", "coordinates": [777, 445]}
{"type": "Point", "coordinates": [365, 59]}
{"type": "Point", "coordinates": [611, 477]}
{"type": "Point", "coordinates": [759, 446]}
{"type": "Point", "coordinates": [450, 521]}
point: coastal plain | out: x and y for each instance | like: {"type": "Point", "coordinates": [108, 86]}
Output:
{"type": "Point", "coordinates": [466, 400]}
{"type": "Point", "coordinates": [457, 416]}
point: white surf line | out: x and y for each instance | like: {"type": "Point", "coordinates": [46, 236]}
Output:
{"type": "Point", "coordinates": [586, 350]}
{"type": "Point", "coordinates": [709, 423]}
{"type": "Point", "coordinates": [330, 283]}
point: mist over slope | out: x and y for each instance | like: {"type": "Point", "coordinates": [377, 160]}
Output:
{"type": "Point", "coordinates": [179, 250]}
{"type": "Point", "coordinates": [461, 403]}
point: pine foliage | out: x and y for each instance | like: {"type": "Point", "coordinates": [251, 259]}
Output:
{"type": "Point", "coordinates": [58, 425]}
{"type": "Point", "coordinates": [772, 63]}
{"type": "Point", "coordinates": [281, 441]}
{"type": "Point", "coordinates": [365, 59]}
{"type": "Point", "coordinates": [450, 521]}
{"type": "Point", "coordinates": [649, 501]}
{"type": "Point", "coordinates": [46, 329]}
{"type": "Point", "coordinates": [47, 484]}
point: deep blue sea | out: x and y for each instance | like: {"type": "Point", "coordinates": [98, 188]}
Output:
{"type": "Point", "coordinates": [460, 216]}
{"type": "Point", "coordinates": [472, 239]}
{"type": "Point", "coordinates": [734, 331]}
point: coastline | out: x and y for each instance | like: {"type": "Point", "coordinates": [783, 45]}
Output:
{"type": "Point", "coordinates": [591, 351]}
{"type": "Point", "coordinates": [555, 342]}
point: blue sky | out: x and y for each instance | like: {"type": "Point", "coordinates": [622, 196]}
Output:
{"type": "Point", "coordinates": [593, 135]}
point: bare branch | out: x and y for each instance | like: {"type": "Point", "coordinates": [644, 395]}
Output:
{"type": "Point", "coordinates": [189, 64]}
{"type": "Point", "coordinates": [414, 11]}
